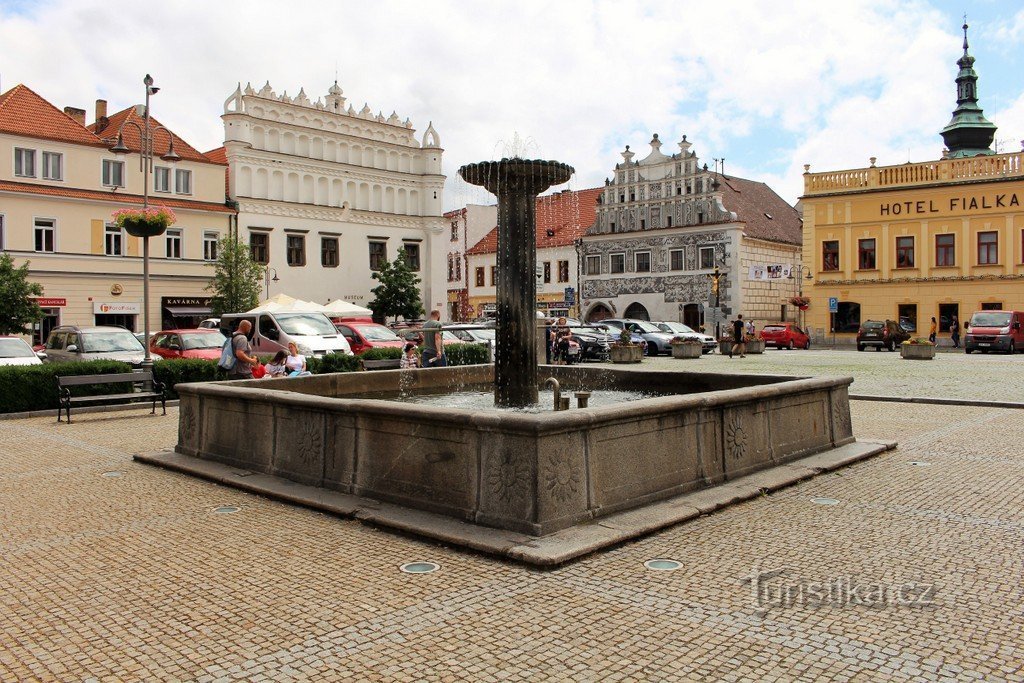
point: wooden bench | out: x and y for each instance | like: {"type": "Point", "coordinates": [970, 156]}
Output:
{"type": "Point", "coordinates": [139, 381]}
{"type": "Point", "coordinates": [385, 364]}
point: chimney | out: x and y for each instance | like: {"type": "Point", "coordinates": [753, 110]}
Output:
{"type": "Point", "coordinates": [76, 113]}
{"type": "Point", "coordinates": [101, 110]}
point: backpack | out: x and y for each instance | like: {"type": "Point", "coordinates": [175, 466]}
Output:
{"type": "Point", "coordinates": [227, 355]}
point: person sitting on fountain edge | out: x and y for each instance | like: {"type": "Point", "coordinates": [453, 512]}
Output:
{"type": "Point", "coordinates": [433, 342]}
{"type": "Point", "coordinates": [409, 358]}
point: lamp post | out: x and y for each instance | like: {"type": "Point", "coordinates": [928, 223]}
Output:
{"type": "Point", "coordinates": [147, 132]}
{"type": "Point", "coordinates": [802, 273]}
{"type": "Point", "coordinates": [578, 245]}
{"type": "Point", "coordinates": [267, 279]}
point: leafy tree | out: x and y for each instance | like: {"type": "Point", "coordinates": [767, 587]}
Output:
{"type": "Point", "coordinates": [398, 293]}
{"type": "Point", "coordinates": [19, 310]}
{"type": "Point", "coordinates": [236, 279]}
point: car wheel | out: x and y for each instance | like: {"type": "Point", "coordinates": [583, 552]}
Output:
{"type": "Point", "coordinates": [807, 345]}
{"type": "Point", "coordinates": [860, 347]}
{"type": "Point", "coordinates": [1013, 348]}
{"type": "Point", "coordinates": [790, 345]}
{"type": "Point", "coordinates": [891, 347]}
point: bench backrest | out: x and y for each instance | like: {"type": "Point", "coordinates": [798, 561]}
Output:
{"type": "Point", "coordinates": [112, 378]}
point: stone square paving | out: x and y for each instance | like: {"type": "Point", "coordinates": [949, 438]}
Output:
{"type": "Point", "coordinates": [915, 573]}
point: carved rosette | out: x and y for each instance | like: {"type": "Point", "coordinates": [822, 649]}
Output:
{"type": "Point", "coordinates": [841, 425]}
{"type": "Point", "coordinates": [506, 481]}
{"type": "Point", "coordinates": [735, 439]}
{"type": "Point", "coordinates": [187, 422]}
{"type": "Point", "coordinates": [560, 479]}
{"type": "Point", "coordinates": [309, 441]}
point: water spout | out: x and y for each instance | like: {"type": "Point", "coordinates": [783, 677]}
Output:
{"type": "Point", "coordinates": [582, 398]}
{"type": "Point", "coordinates": [556, 390]}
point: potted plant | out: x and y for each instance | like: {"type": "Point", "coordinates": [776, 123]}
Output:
{"type": "Point", "coordinates": [754, 344]}
{"type": "Point", "coordinates": [917, 348]}
{"type": "Point", "coordinates": [801, 302]}
{"type": "Point", "coordinates": [683, 347]}
{"type": "Point", "coordinates": [624, 350]}
{"type": "Point", "coordinates": [144, 222]}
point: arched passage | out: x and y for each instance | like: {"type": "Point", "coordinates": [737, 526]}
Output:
{"type": "Point", "coordinates": [637, 311]}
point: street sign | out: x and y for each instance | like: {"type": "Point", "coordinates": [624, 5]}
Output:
{"type": "Point", "coordinates": [833, 304]}
{"type": "Point", "coordinates": [570, 295]}
{"type": "Point", "coordinates": [540, 271]}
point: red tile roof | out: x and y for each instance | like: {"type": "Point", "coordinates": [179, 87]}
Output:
{"type": "Point", "coordinates": [111, 197]}
{"type": "Point", "coordinates": [23, 112]}
{"type": "Point", "coordinates": [107, 130]}
{"type": "Point", "coordinates": [219, 155]}
{"type": "Point", "coordinates": [766, 215]}
{"type": "Point", "coordinates": [566, 214]}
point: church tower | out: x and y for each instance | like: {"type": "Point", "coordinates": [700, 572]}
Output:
{"type": "Point", "coordinates": [968, 133]}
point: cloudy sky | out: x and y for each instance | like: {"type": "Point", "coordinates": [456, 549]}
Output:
{"type": "Point", "coordinates": [767, 86]}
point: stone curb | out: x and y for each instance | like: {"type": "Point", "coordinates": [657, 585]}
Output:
{"type": "Point", "coordinates": [52, 412]}
{"type": "Point", "coordinates": [539, 551]}
{"type": "Point", "coordinates": [939, 401]}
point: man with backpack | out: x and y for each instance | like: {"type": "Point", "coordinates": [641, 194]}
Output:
{"type": "Point", "coordinates": [236, 357]}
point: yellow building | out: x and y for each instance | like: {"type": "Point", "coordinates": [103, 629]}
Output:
{"type": "Point", "coordinates": [911, 242]}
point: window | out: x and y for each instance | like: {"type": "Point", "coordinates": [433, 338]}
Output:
{"type": "Point", "coordinates": [113, 173]}
{"type": "Point", "coordinates": [946, 314]}
{"type": "Point", "coordinates": [617, 263]}
{"type": "Point", "coordinates": [161, 179]}
{"type": "Point", "coordinates": [259, 245]}
{"type": "Point", "coordinates": [593, 265]}
{"type": "Point", "coordinates": [847, 318]}
{"type": "Point", "coordinates": [295, 252]}
{"type": "Point", "coordinates": [24, 162]}
{"type": "Point", "coordinates": [988, 248]}
{"type": "Point", "coordinates": [642, 261]}
{"type": "Point", "coordinates": [563, 271]}
{"type": "Point", "coordinates": [904, 252]}
{"type": "Point", "coordinates": [46, 229]}
{"type": "Point", "coordinates": [455, 231]}
{"type": "Point", "coordinates": [830, 255]}
{"type": "Point", "coordinates": [866, 254]}
{"type": "Point", "coordinates": [479, 277]}
{"type": "Point", "coordinates": [329, 252]}
{"type": "Point", "coordinates": [494, 276]}
{"type": "Point", "coordinates": [945, 250]}
{"type": "Point", "coordinates": [412, 255]}
{"type": "Point", "coordinates": [992, 306]}
{"type": "Point", "coordinates": [209, 246]}
{"type": "Point", "coordinates": [547, 272]}
{"type": "Point", "coordinates": [451, 268]}
{"type": "Point", "coordinates": [707, 258]}
{"type": "Point", "coordinates": [378, 255]}
{"type": "Point", "coordinates": [173, 241]}
{"type": "Point", "coordinates": [907, 317]}
{"type": "Point", "coordinates": [675, 258]}
{"type": "Point", "coordinates": [113, 241]}
{"type": "Point", "coordinates": [182, 181]}
{"type": "Point", "coordinates": [2, 232]}
{"type": "Point", "coordinates": [53, 166]}
{"type": "Point", "coordinates": [458, 267]}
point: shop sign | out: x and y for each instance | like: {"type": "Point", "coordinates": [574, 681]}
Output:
{"type": "Point", "coordinates": [50, 302]}
{"type": "Point", "coordinates": [117, 308]}
{"type": "Point", "coordinates": [186, 300]}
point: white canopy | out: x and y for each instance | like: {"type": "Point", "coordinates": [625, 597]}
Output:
{"type": "Point", "coordinates": [282, 303]}
{"type": "Point", "coordinates": [344, 308]}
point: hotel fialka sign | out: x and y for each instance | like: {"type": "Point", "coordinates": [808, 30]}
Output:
{"type": "Point", "coordinates": [1003, 200]}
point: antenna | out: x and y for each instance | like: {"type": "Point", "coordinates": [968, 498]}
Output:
{"type": "Point", "coordinates": [335, 70]}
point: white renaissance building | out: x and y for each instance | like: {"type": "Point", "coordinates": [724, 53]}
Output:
{"type": "Point", "coordinates": [327, 193]}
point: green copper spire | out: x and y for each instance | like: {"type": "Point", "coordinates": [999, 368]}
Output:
{"type": "Point", "coordinates": [968, 133]}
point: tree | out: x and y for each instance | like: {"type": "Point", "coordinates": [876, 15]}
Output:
{"type": "Point", "coordinates": [398, 293]}
{"type": "Point", "coordinates": [236, 279]}
{"type": "Point", "coordinates": [19, 310]}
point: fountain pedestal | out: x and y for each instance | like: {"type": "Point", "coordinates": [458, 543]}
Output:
{"type": "Point", "coordinates": [516, 183]}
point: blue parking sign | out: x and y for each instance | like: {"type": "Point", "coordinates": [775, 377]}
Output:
{"type": "Point", "coordinates": [833, 304]}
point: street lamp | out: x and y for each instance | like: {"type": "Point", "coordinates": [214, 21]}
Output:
{"type": "Point", "coordinates": [147, 132]}
{"type": "Point", "coordinates": [802, 273]}
{"type": "Point", "coordinates": [268, 279]}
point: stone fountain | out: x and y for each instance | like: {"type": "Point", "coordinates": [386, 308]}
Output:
{"type": "Point", "coordinates": [537, 487]}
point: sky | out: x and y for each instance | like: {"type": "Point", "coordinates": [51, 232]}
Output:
{"type": "Point", "coordinates": [766, 86]}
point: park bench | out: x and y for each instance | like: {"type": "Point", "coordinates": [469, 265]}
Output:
{"type": "Point", "coordinates": [143, 385]}
{"type": "Point", "coordinates": [385, 364]}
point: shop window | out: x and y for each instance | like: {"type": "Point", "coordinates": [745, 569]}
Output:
{"type": "Point", "coordinates": [847, 317]}
{"type": "Point", "coordinates": [329, 252]}
{"type": "Point", "coordinates": [259, 246]}
{"type": "Point", "coordinates": [988, 248]}
{"type": "Point", "coordinates": [907, 316]}
{"type": "Point", "coordinates": [866, 254]}
{"type": "Point", "coordinates": [946, 314]}
{"type": "Point", "coordinates": [904, 252]}
{"type": "Point", "coordinates": [675, 258]}
{"type": "Point", "coordinates": [830, 255]}
{"type": "Point", "coordinates": [992, 306]}
{"type": "Point", "coordinates": [945, 250]}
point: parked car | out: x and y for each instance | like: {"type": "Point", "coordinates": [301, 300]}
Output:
{"type": "Point", "coordinates": [613, 334]}
{"type": "Point", "coordinates": [16, 351]}
{"type": "Point", "coordinates": [210, 324]}
{"type": "Point", "coordinates": [189, 343]}
{"type": "Point", "coordinates": [313, 333]}
{"type": "Point", "coordinates": [414, 334]}
{"type": "Point", "coordinates": [594, 343]}
{"type": "Point", "coordinates": [487, 337]}
{"type": "Point", "coordinates": [657, 340]}
{"type": "Point", "coordinates": [72, 343]}
{"type": "Point", "coordinates": [881, 335]}
{"type": "Point", "coordinates": [784, 336]}
{"type": "Point", "coordinates": [364, 336]}
{"type": "Point", "coordinates": [995, 331]}
{"type": "Point", "coordinates": [707, 341]}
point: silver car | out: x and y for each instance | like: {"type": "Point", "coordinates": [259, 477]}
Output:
{"type": "Point", "coordinates": [72, 343]}
{"type": "Point", "coordinates": [657, 340]}
{"type": "Point", "coordinates": [707, 342]}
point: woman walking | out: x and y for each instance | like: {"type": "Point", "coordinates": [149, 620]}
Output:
{"type": "Point", "coordinates": [933, 331]}
{"type": "Point", "coordinates": [954, 332]}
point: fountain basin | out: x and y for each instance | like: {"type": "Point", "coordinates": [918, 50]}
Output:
{"type": "Point", "coordinates": [530, 473]}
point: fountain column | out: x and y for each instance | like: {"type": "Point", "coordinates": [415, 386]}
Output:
{"type": "Point", "coordinates": [516, 183]}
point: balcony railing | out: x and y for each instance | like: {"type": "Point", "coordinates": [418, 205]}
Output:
{"type": "Point", "coordinates": [910, 175]}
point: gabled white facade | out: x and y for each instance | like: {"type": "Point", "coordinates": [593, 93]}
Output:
{"type": "Point", "coordinates": [314, 179]}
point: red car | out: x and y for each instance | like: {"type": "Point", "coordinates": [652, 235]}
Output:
{"type": "Point", "coordinates": [784, 336]}
{"type": "Point", "coordinates": [364, 336]}
{"type": "Point", "coordinates": [187, 344]}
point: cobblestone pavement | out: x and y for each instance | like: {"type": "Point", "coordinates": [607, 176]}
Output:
{"type": "Point", "coordinates": [134, 578]}
{"type": "Point", "coordinates": [991, 377]}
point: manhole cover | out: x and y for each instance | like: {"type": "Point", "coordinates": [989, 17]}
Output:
{"type": "Point", "coordinates": [226, 509]}
{"type": "Point", "coordinates": [111, 475]}
{"type": "Point", "coordinates": [920, 463]}
{"type": "Point", "coordinates": [419, 567]}
{"type": "Point", "coordinates": [663, 565]}
{"type": "Point", "coordinates": [825, 501]}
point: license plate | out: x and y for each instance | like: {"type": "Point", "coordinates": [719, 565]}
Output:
{"type": "Point", "coordinates": [984, 344]}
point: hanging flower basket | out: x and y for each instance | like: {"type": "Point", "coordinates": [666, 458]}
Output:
{"type": "Point", "coordinates": [144, 222]}
{"type": "Point", "coordinates": [801, 302]}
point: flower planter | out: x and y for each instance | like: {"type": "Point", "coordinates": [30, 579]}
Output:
{"type": "Point", "coordinates": [755, 346]}
{"type": "Point", "coordinates": [686, 350]}
{"type": "Point", "coordinates": [633, 353]}
{"type": "Point", "coordinates": [917, 351]}
{"type": "Point", "coordinates": [137, 228]}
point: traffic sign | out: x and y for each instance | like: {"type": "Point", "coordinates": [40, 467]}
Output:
{"type": "Point", "coordinates": [570, 295]}
{"type": "Point", "coordinates": [833, 304]}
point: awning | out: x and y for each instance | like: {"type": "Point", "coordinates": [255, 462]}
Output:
{"type": "Point", "coordinates": [188, 311]}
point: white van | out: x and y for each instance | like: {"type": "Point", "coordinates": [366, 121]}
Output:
{"type": "Point", "coordinates": [313, 333]}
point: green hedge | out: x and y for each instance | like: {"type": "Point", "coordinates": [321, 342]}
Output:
{"type": "Point", "coordinates": [465, 354]}
{"type": "Point", "coordinates": [34, 387]}
{"type": "Point", "coordinates": [383, 353]}
{"type": "Point", "coordinates": [332, 362]}
{"type": "Point", "coordinates": [181, 370]}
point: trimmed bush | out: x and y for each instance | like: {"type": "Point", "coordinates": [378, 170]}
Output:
{"type": "Point", "coordinates": [34, 387]}
{"type": "Point", "coordinates": [183, 370]}
{"type": "Point", "coordinates": [384, 353]}
{"type": "Point", "coordinates": [332, 362]}
{"type": "Point", "coordinates": [465, 354]}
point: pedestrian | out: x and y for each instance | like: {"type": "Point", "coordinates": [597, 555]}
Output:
{"type": "Point", "coordinates": [954, 332]}
{"type": "Point", "coordinates": [409, 358]}
{"type": "Point", "coordinates": [433, 342]}
{"type": "Point", "coordinates": [296, 362]}
{"type": "Point", "coordinates": [560, 337]}
{"type": "Point", "coordinates": [244, 360]}
{"type": "Point", "coordinates": [277, 367]}
{"type": "Point", "coordinates": [739, 342]}
{"type": "Point", "coordinates": [750, 328]}
{"type": "Point", "coordinates": [933, 331]}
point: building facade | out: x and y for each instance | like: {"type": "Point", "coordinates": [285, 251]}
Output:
{"type": "Point", "coordinates": [326, 194]}
{"type": "Point", "coordinates": [911, 242]}
{"type": "Point", "coordinates": [466, 227]}
{"type": "Point", "coordinates": [57, 193]}
{"type": "Point", "coordinates": [664, 225]}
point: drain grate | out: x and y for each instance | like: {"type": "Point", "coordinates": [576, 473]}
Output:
{"type": "Point", "coordinates": [825, 501]}
{"type": "Point", "coordinates": [919, 463]}
{"type": "Point", "coordinates": [112, 475]}
{"type": "Point", "coordinates": [419, 567]}
{"type": "Point", "coordinates": [663, 565]}
{"type": "Point", "coordinates": [226, 510]}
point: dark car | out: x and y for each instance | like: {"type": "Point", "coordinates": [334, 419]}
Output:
{"type": "Point", "coordinates": [594, 344]}
{"type": "Point", "coordinates": [881, 335]}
